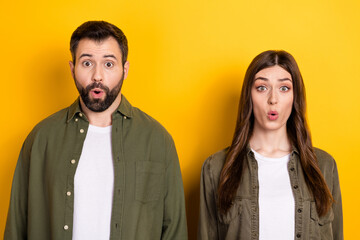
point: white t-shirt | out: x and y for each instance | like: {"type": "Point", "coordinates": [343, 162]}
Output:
{"type": "Point", "coordinates": [93, 186]}
{"type": "Point", "coordinates": [276, 200]}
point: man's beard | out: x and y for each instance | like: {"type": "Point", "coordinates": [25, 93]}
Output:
{"type": "Point", "coordinates": [99, 105]}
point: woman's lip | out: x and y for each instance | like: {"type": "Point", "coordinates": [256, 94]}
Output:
{"type": "Point", "coordinates": [273, 115]}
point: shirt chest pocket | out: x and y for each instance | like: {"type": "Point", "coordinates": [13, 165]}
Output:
{"type": "Point", "coordinates": [233, 213]}
{"type": "Point", "coordinates": [320, 227]}
{"type": "Point", "coordinates": [149, 181]}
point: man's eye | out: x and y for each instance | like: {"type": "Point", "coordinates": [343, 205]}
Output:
{"type": "Point", "coordinates": [261, 88]}
{"type": "Point", "coordinates": [284, 88]}
{"type": "Point", "coordinates": [86, 64]}
{"type": "Point", "coordinates": [109, 64]}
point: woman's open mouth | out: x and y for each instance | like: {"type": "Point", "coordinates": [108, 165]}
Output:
{"type": "Point", "coordinates": [273, 115]}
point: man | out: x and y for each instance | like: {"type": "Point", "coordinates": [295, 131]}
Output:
{"type": "Point", "coordinates": [99, 169]}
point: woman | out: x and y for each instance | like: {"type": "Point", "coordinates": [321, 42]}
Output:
{"type": "Point", "coordinates": [271, 183]}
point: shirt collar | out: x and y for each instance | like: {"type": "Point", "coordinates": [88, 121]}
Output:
{"type": "Point", "coordinates": [73, 110]}
{"type": "Point", "coordinates": [294, 150]}
{"type": "Point", "coordinates": [124, 108]}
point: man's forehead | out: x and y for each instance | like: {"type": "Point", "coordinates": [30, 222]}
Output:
{"type": "Point", "coordinates": [107, 46]}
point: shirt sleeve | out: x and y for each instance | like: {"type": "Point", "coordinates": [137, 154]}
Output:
{"type": "Point", "coordinates": [337, 224]}
{"type": "Point", "coordinates": [174, 223]}
{"type": "Point", "coordinates": [16, 224]}
{"type": "Point", "coordinates": [207, 228]}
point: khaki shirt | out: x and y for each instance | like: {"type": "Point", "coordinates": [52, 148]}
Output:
{"type": "Point", "coordinates": [242, 219]}
{"type": "Point", "coordinates": [148, 201]}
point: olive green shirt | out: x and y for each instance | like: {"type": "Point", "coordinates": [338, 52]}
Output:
{"type": "Point", "coordinates": [242, 219]}
{"type": "Point", "coordinates": [148, 199]}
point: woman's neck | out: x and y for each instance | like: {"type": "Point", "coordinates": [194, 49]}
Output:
{"type": "Point", "coordinates": [273, 143]}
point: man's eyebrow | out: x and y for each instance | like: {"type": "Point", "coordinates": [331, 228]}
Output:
{"type": "Point", "coordinates": [90, 55]}
{"type": "Point", "coordinates": [110, 56]}
{"type": "Point", "coordinates": [85, 55]}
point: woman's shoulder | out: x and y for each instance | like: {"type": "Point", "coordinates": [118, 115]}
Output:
{"type": "Point", "coordinates": [325, 160]}
{"type": "Point", "coordinates": [215, 163]}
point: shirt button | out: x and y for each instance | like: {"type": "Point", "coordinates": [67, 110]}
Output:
{"type": "Point", "coordinates": [66, 227]}
{"type": "Point", "coordinates": [73, 161]}
{"type": "Point", "coordinates": [125, 117]}
{"type": "Point", "coordinates": [80, 114]}
{"type": "Point", "coordinates": [298, 235]}
{"type": "Point", "coordinates": [76, 119]}
{"type": "Point", "coordinates": [296, 187]}
{"type": "Point", "coordinates": [81, 130]}
{"type": "Point", "coordinates": [292, 169]}
{"type": "Point", "coordinates": [299, 210]}
{"type": "Point", "coordinates": [68, 193]}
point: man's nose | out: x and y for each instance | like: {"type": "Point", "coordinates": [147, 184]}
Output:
{"type": "Point", "coordinates": [98, 74]}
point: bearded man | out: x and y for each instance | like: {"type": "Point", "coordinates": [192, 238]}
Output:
{"type": "Point", "coordinates": [101, 168]}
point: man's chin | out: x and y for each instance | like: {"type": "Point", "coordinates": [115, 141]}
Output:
{"type": "Point", "coordinates": [96, 105]}
{"type": "Point", "coordinates": [97, 99]}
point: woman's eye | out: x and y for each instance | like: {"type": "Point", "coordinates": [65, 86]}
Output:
{"type": "Point", "coordinates": [109, 64]}
{"type": "Point", "coordinates": [284, 88]}
{"type": "Point", "coordinates": [261, 88]}
{"type": "Point", "coordinates": [86, 64]}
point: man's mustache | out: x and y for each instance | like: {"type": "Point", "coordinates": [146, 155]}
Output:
{"type": "Point", "coordinates": [96, 85]}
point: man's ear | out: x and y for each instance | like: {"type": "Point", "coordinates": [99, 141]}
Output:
{"type": "Point", "coordinates": [72, 69]}
{"type": "Point", "coordinates": [126, 69]}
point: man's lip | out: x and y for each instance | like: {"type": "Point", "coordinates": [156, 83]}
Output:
{"type": "Point", "coordinates": [97, 90]}
{"type": "Point", "coordinates": [97, 93]}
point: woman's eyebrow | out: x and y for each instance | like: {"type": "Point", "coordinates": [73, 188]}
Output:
{"type": "Point", "coordinates": [266, 79]}
{"type": "Point", "coordinates": [261, 78]}
{"type": "Point", "coordinates": [285, 79]}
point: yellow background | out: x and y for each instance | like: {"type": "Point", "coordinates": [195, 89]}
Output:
{"type": "Point", "coordinates": [187, 61]}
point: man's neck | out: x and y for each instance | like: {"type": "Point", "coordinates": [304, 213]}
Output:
{"type": "Point", "coordinates": [101, 119]}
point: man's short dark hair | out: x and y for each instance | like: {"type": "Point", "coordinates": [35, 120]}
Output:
{"type": "Point", "coordinates": [98, 31]}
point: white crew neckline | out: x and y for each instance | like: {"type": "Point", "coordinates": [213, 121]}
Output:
{"type": "Point", "coordinates": [270, 159]}
{"type": "Point", "coordinates": [93, 128]}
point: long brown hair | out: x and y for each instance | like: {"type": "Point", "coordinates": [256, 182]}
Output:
{"type": "Point", "coordinates": [297, 130]}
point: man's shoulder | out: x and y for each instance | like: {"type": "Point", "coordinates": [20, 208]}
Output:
{"type": "Point", "coordinates": [45, 128]}
{"type": "Point", "coordinates": [139, 118]}
{"type": "Point", "coordinates": [50, 123]}
{"type": "Point", "coordinates": [148, 123]}
{"type": "Point", "coordinates": [53, 120]}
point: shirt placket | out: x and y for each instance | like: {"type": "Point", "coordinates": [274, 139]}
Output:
{"type": "Point", "coordinates": [80, 127]}
{"type": "Point", "coordinates": [119, 123]}
{"type": "Point", "coordinates": [255, 197]}
{"type": "Point", "coordinates": [292, 169]}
